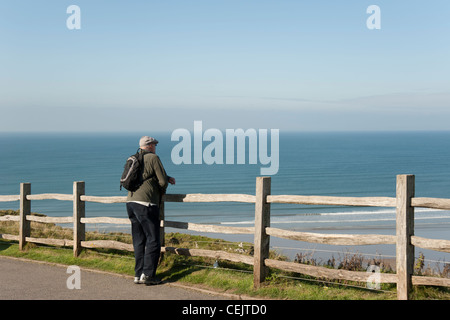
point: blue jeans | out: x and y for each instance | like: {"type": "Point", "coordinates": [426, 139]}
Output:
{"type": "Point", "coordinates": [145, 226]}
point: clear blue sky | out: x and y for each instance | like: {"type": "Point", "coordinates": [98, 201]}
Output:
{"type": "Point", "coordinates": [284, 64]}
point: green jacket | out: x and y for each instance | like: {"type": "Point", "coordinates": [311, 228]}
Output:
{"type": "Point", "coordinates": [155, 181]}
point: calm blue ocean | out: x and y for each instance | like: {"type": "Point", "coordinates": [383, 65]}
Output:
{"type": "Point", "coordinates": [333, 164]}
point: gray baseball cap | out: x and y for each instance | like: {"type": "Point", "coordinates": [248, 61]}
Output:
{"type": "Point", "coordinates": [146, 140]}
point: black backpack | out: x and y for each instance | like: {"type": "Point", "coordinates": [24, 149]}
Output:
{"type": "Point", "coordinates": [132, 172]}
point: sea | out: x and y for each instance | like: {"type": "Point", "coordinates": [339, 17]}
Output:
{"type": "Point", "coordinates": [356, 164]}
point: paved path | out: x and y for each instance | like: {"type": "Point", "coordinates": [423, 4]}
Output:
{"type": "Point", "coordinates": [24, 279]}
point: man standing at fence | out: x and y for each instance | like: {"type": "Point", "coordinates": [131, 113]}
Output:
{"type": "Point", "coordinates": [143, 211]}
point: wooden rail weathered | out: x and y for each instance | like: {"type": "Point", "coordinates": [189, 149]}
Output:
{"type": "Point", "coordinates": [404, 240]}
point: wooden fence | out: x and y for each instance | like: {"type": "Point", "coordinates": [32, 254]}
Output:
{"type": "Point", "coordinates": [405, 240]}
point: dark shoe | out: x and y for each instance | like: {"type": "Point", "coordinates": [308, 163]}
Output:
{"type": "Point", "coordinates": [151, 281]}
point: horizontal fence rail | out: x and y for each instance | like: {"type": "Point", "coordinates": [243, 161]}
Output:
{"type": "Point", "coordinates": [336, 201]}
{"type": "Point", "coordinates": [433, 203]}
{"type": "Point", "coordinates": [336, 239]}
{"type": "Point", "coordinates": [405, 240]}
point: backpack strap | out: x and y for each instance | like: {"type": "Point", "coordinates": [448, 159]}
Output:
{"type": "Point", "coordinates": [140, 156]}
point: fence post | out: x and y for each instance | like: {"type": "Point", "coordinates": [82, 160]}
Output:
{"type": "Point", "coordinates": [78, 213]}
{"type": "Point", "coordinates": [405, 229]}
{"type": "Point", "coordinates": [25, 209]}
{"type": "Point", "coordinates": [261, 239]}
